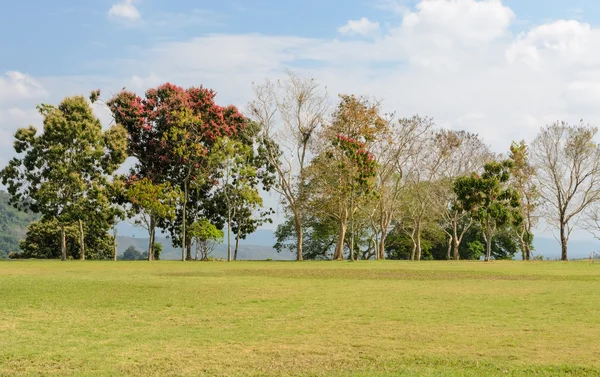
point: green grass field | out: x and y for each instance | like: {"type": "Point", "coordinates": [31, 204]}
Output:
{"type": "Point", "coordinates": [300, 319]}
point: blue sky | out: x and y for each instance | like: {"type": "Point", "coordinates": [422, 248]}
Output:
{"type": "Point", "coordinates": [498, 68]}
{"type": "Point", "coordinates": [62, 37]}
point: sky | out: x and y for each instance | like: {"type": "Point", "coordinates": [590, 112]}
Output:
{"type": "Point", "coordinates": [501, 69]}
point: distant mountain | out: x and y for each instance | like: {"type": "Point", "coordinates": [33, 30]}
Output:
{"type": "Point", "coordinates": [247, 250]}
{"type": "Point", "coordinates": [259, 246]}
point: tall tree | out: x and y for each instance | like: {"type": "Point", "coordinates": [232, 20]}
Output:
{"type": "Point", "coordinates": [170, 134]}
{"type": "Point", "coordinates": [290, 113]}
{"type": "Point", "coordinates": [466, 153]}
{"type": "Point", "coordinates": [151, 202]}
{"type": "Point", "coordinates": [393, 150]}
{"type": "Point", "coordinates": [523, 175]}
{"type": "Point", "coordinates": [567, 162]}
{"type": "Point", "coordinates": [206, 236]}
{"type": "Point", "coordinates": [61, 173]}
{"type": "Point", "coordinates": [344, 171]}
{"type": "Point", "coordinates": [425, 169]}
{"type": "Point", "coordinates": [237, 181]}
{"type": "Point", "coordinates": [490, 200]}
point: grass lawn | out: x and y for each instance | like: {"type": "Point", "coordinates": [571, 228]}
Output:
{"type": "Point", "coordinates": [300, 319]}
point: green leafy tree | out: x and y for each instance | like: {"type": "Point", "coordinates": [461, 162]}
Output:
{"type": "Point", "coordinates": [343, 173]}
{"type": "Point", "coordinates": [61, 172]}
{"type": "Point", "coordinates": [43, 242]}
{"type": "Point", "coordinates": [151, 202]}
{"type": "Point", "coordinates": [320, 237]}
{"type": "Point", "coordinates": [489, 199]}
{"type": "Point", "coordinates": [523, 176]}
{"type": "Point", "coordinates": [235, 178]}
{"type": "Point", "coordinates": [206, 236]}
{"type": "Point", "coordinates": [131, 253]}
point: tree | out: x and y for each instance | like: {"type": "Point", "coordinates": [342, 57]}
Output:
{"type": "Point", "coordinates": [170, 133]}
{"type": "Point", "coordinates": [131, 253]}
{"type": "Point", "coordinates": [61, 172]}
{"type": "Point", "coordinates": [320, 237]}
{"type": "Point", "coordinates": [206, 237]}
{"type": "Point", "coordinates": [466, 153]}
{"type": "Point", "coordinates": [151, 202]}
{"type": "Point", "coordinates": [42, 241]}
{"type": "Point", "coordinates": [393, 150]}
{"type": "Point", "coordinates": [236, 180]}
{"type": "Point", "coordinates": [523, 175]}
{"type": "Point", "coordinates": [425, 170]}
{"type": "Point", "coordinates": [567, 162]}
{"type": "Point", "coordinates": [489, 199]}
{"type": "Point", "coordinates": [343, 173]}
{"type": "Point", "coordinates": [300, 108]}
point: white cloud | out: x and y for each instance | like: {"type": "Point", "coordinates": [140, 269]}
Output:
{"type": "Point", "coordinates": [17, 85]}
{"type": "Point", "coordinates": [564, 39]}
{"type": "Point", "coordinates": [455, 60]}
{"type": "Point", "coordinates": [467, 21]}
{"type": "Point", "coordinates": [360, 27]}
{"type": "Point", "coordinates": [125, 10]}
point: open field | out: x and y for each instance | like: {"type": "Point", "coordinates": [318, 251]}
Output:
{"type": "Point", "coordinates": [304, 319]}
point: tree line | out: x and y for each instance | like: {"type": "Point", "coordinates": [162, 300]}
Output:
{"type": "Point", "coordinates": [355, 182]}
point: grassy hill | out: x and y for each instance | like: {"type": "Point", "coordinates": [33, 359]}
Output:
{"type": "Point", "coordinates": [13, 225]}
{"type": "Point", "coordinates": [299, 319]}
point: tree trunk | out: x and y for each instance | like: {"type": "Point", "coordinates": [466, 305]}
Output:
{"type": "Point", "coordinates": [381, 250]}
{"type": "Point", "coordinates": [237, 246]}
{"type": "Point", "coordinates": [527, 251]}
{"type": "Point", "coordinates": [414, 248]}
{"type": "Point", "coordinates": [449, 256]}
{"type": "Point", "coordinates": [115, 251]}
{"type": "Point", "coordinates": [352, 224]}
{"type": "Point", "coordinates": [564, 240]}
{"type": "Point", "coordinates": [188, 246]}
{"type": "Point", "coordinates": [418, 244]}
{"type": "Point", "coordinates": [523, 247]}
{"type": "Point", "coordinates": [488, 243]}
{"type": "Point", "coordinates": [183, 235]}
{"type": "Point", "coordinates": [63, 244]}
{"type": "Point", "coordinates": [229, 258]}
{"type": "Point", "coordinates": [197, 247]}
{"type": "Point", "coordinates": [455, 243]}
{"type": "Point", "coordinates": [81, 241]}
{"type": "Point", "coordinates": [151, 240]}
{"type": "Point", "coordinates": [299, 237]}
{"type": "Point", "coordinates": [339, 248]}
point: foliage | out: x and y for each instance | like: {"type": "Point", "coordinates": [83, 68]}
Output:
{"type": "Point", "coordinates": [319, 238]}
{"type": "Point", "coordinates": [206, 236]}
{"type": "Point", "coordinates": [170, 133]}
{"type": "Point", "coordinates": [43, 242]}
{"type": "Point", "coordinates": [523, 175]}
{"type": "Point", "coordinates": [131, 253]}
{"type": "Point", "coordinates": [489, 199]}
{"type": "Point", "coordinates": [62, 173]}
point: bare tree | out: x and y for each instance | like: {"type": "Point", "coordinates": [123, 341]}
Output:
{"type": "Point", "coordinates": [567, 161]}
{"type": "Point", "coordinates": [466, 153]}
{"type": "Point", "coordinates": [424, 168]}
{"type": "Point", "coordinates": [290, 112]}
{"type": "Point", "coordinates": [393, 152]}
